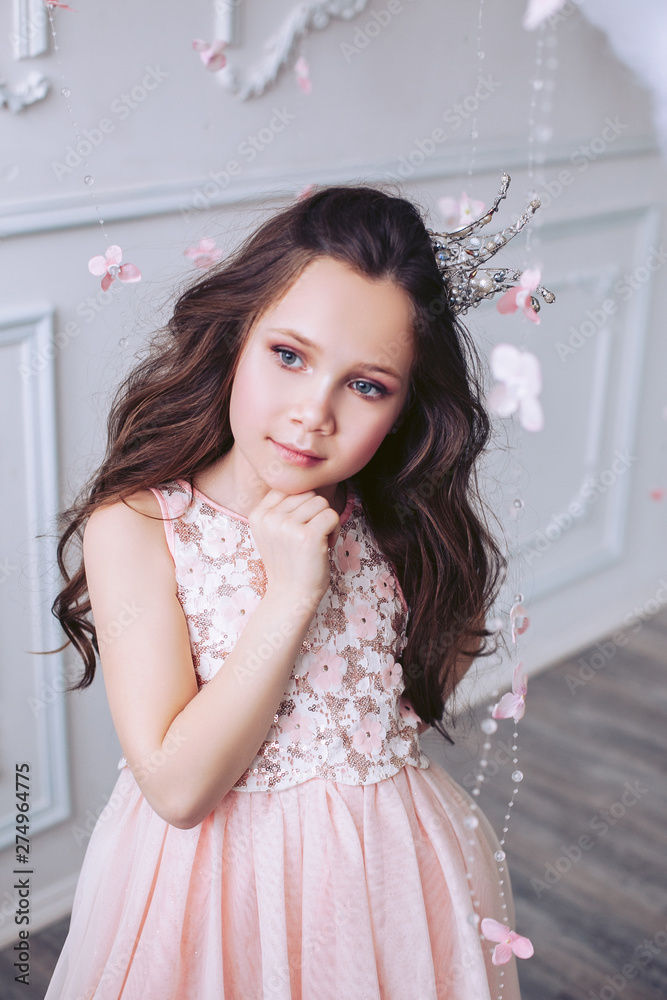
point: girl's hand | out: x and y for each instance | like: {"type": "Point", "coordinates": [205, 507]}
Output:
{"type": "Point", "coordinates": [293, 532]}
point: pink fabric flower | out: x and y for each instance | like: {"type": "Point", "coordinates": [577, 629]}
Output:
{"type": "Point", "coordinates": [302, 71]}
{"type": "Point", "coordinates": [59, 6]}
{"type": "Point", "coordinates": [460, 212]}
{"type": "Point", "coordinates": [406, 710]}
{"type": "Point", "coordinates": [385, 584]}
{"type": "Point", "coordinates": [657, 494]}
{"type": "Point", "coordinates": [368, 737]}
{"type": "Point", "coordinates": [299, 725]}
{"type": "Point", "coordinates": [521, 380]}
{"type": "Point", "coordinates": [325, 669]}
{"type": "Point", "coordinates": [364, 619]}
{"type": "Point", "coordinates": [510, 941]}
{"type": "Point", "coordinates": [110, 266]}
{"type": "Point", "coordinates": [538, 11]}
{"type": "Point", "coordinates": [211, 54]}
{"type": "Point", "coordinates": [392, 674]}
{"type": "Point", "coordinates": [518, 612]}
{"type": "Point", "coordinates": [304, 192]}
{"type": "Point", "coordinates": [347, 551]}
{"type": "Point", "coordinates": [519, 297]}
{"type": "Point", "coordinates": [205, 253]}
{"type": "Point", "coordinates": [513, 705]}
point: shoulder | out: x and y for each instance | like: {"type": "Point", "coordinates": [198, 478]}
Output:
{"type": "Point", "coordinates": [131, 530]}
{"type": "Point", "coordinates": [134, 509]}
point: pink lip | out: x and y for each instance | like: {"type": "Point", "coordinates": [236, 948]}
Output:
{"type": "Point", "coordinates": [296, 457]}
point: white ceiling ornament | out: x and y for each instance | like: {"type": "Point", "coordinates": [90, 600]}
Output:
{"type": "Point", "coordinates": [34, 88]}
{"type": "Point", "coordinates": [281, 48]}
{"type": "Point", "coordinates": [637, 33]}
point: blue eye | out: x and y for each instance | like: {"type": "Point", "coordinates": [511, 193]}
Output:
{"type": "Point", "coordinates": [381, 391]}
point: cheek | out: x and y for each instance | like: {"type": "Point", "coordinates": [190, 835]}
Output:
{"type": "Point", "coordinates": [363, 445]}
{"type": "Point", "coordinates": [251, 395]}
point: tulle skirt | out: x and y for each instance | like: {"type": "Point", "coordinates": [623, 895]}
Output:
{"type": "Point", "coordinates": [322, 891]}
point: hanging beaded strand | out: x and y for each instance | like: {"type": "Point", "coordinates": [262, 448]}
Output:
{"type": "Point", "coordinates": [474, 134]}
{"type": "Point", "coordinates": [542, 133]}
{"type": "Point", "coordinates": [88, 179]}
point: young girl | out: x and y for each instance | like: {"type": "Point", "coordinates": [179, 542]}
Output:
{"type": "Point", "coordinates": [289, 578]}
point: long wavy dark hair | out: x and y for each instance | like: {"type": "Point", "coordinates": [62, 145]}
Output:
{"type": "Point", "coordinates": [420, 495]}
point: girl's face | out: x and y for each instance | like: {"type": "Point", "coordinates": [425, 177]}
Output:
{"type": "Point", "coordinates": [325, 370]}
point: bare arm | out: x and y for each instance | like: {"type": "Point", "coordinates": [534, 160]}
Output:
{"type": "Point", "coordinates": [186, 748]}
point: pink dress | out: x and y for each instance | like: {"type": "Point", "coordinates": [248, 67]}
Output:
{"type": "Point", "coordinates": [340, 865]}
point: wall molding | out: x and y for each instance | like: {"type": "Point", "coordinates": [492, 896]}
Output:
{"type": "Point", "coordinates": [621, 412]}
{"type": "Point", "coordinates": [31, 330]}
{"type": "Point", "coordinates": [193, 198]}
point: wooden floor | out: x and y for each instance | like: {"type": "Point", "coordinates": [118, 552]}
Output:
{"type": "Point", "coordinates": [593, 757]}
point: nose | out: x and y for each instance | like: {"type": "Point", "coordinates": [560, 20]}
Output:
{"type": "Point", "coordinates": [314, 410]}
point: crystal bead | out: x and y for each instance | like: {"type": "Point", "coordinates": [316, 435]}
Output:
{"type": "Point", "coordinates": [64, 91]}
{"type": "Point", "coordinates": [88, 179]}
{"type": "Point", "coordinates": [499, 855]}
{"type": "Point", "coordinates": [518, 503]}
{"type": "Point", "coordinates": [517, 775]}
{"type": "Point", "coordinates": [470, 822]}
{"type": "Point", "coordinates": [483, 763]}
{"type": "Point", "coordinates": [518, 598]}
{"type": "Point", "coordinates": [113, 270]}
{"type": "Point", "coordinates": [488, 726]}
{"type": "Point", "coordinates": [475, 791]}
{"type": "Point", "coordinates": [473, 918]}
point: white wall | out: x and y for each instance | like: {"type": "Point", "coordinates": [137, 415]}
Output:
{"type": "Point", "coordinates": [370, 112]}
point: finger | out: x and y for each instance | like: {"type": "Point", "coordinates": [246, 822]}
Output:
{"type": "Point", "coordinates": [273, 498]}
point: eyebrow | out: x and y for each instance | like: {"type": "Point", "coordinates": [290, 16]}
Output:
{"type": "Point", "coordinates": [361, 366]}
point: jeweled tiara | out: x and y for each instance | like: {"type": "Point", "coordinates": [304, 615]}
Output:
{"type": "Point", "coordinates": [459, 255]}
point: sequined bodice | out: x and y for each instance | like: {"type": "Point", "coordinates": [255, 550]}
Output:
{"type": "Point", "coordinates": [342, 715]}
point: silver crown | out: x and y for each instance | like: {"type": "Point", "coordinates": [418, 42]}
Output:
{"type": "Point", "coordinates": [459, 255]}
